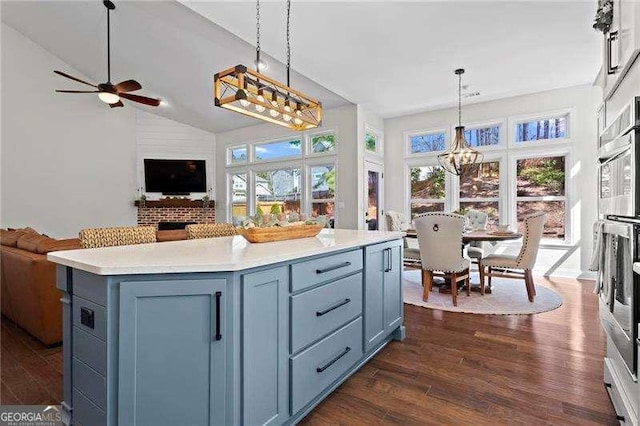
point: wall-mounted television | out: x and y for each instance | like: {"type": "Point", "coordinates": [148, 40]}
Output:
{"type": "Point", "coordinates": [175, 177]}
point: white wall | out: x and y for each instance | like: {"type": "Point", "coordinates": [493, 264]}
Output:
{"type": "Point", "coordinates": [68, 161]}
{"type": "Point", "coordinates": [160, 138]}
{"type": "Point", "coordinates": [343, 120]}
{"type": "Point", "coordinates": [568, 260]}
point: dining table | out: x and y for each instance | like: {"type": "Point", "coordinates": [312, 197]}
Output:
{"type": "Point", "coordinates": [475, 235]}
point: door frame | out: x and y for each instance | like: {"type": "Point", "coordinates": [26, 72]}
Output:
{"type": "Point", "coordinates": [378, 168]}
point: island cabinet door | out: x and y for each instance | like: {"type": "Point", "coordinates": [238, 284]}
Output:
{"type": "Point", "coordinates": [382, 291]}
{"type": "Point", "coordinates": [265, 347]}
{"type": "Point", "coordinates": [393, 288]}
{"type": "Point", "coordinates": [172, 353]}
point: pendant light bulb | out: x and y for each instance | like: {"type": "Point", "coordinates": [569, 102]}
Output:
{"type": "Point", "coordinates": [260, 98]}
{"type": "Point", "coordinates": [287, 117]}
{"type": "Point", "coordinates": [274, 101]}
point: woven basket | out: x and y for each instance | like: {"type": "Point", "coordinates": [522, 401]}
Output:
{"type": "Point", "coordinates": [279, 233]}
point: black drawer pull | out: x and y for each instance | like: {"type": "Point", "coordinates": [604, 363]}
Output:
{"type": "Point", "coordinates": [620, 418]}
{"type": "Point", "coordinates": [330, 363]}
{"type": "Point", "coordinates": [87, 317]}
{"type": "Point", "coordinates": [607, 385]}
{"type": "Point", "coordinates": [326, 311]}
{"type": "Point", "coordinates": [333, 268]}
{"type": "Point", "coordinates": [218, 335]}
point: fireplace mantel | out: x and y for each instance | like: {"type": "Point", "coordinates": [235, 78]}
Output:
{"type": "Point", "coordinates": [174, 203]}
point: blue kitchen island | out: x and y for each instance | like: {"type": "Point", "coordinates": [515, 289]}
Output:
{"type": "Point", "coordinates": [221, 331]}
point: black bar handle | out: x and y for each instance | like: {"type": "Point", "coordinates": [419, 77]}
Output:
{"type": "Point", "coordinates": [387, 252]}
{"type": "Point", "coordinates": [333, 268]}
{"type": "Point", "coordinates": [336, 306]}
{"type": "Point", "coordinates": [607, 385]}
{"type": "Point", "coordinates": [330, 363]}
{"type": "Point", "coordinates": [218, 335]}
{"type": "Point", "coordinates": [613, 36]}
{"type": "Point", "coordinates": [620, 418]}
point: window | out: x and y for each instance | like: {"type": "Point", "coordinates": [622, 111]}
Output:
{"type": "Point", "coordinates": [536, 130]}
{"type": "Point", "coordinates": [540, 186]}
{"type": "Point", "coordinates": [278, 191]}
{"type": "Point", "coordinates": [325, 143]}
{"type": "Point", "coordinates": [428, 142]}
{"type": "Point", "coordinates": [239, 195]}
{"type": "Point", "coordinates": [427, 189]}
{"type": "Point", "coordinates": [371, 141]}
{"type": "Point", "coordinates": [323, 191]}
{"type": "Point", "coordinates": [278, 150]}
{"type": "Point", "coordinates": [480, 189]}
{"type": "Point", "coordinates": [483, 136]}
{"type": "Point", "coordinates": [238, 155]}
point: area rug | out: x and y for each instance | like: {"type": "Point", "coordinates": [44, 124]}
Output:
{"type": "Point", "coordinates": [508, 297]}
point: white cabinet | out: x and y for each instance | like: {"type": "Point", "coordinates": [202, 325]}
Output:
{"type": "Point", "coordinates": [621, 44]}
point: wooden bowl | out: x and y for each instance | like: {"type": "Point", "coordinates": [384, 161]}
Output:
{"type": "Point", "coordinates": [279, 233]}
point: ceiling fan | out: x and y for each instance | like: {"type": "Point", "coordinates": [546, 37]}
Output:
{"type": "Point", "coordinates": [109, 93]}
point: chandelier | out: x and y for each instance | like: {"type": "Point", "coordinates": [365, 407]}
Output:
{"type": "Point", "coordinates": [460, 155]}
{"type": "Point", "coordinates": [251, 93]}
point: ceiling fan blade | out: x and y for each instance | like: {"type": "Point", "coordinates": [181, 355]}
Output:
{"type": "Point", "coordinates": [117, 104]}
{"type": "Point", "coordinates": [78, 91]}
{"type": "Point", "coordinates": [73, 78]}
{"type": "Point", "coordinates": [128, 86]}
{"type": "Point", "coordinates": [141, 99]}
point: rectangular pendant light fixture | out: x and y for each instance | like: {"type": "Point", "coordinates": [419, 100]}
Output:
{"type": "Point", "coordinates": [250, 93]}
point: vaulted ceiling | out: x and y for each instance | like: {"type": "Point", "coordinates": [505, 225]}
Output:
{"type": "Point", "coordinates": [392, 57]}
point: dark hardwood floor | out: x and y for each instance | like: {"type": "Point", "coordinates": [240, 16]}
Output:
{"type": "Point", "coordinates": [452, 369]}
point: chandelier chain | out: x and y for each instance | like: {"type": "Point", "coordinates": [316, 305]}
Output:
{"type": "Point", "coordinates": [459, 99]}
{"type": "Point", "coordinates": [258, 35]}
{"type": "Point", "coordinates": [288, 41]}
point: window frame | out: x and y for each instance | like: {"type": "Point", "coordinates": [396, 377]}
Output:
{"type": "Point", "coordinates": [309, 148]}
{"type": "Point", "coordinates": [430, 131]}
{"type": "Point", "coordinates": [425, 162]}
{"type": "Point", "coordinates": [503, 196]}
{"type": "Point", "coordinates": [502, 138]}
{"type": "Point", "coordinates": [379, 152]}
{"type": "Point", "coordinates": [309, 200]}
{"type": "Point", "coordinates": [567, 153]}
{"type": "Point", "coordinates": [569, 113]}
{"type": "Point", "coordinates": [230, 149]}
{"type": "Point", "coordinates": [304, 162]}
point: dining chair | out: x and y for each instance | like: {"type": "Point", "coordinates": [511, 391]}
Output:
{"type": "Point", "coordinates": [441, 251]}
{"type": "Point", "coordinates": [520, 266]}
{"type": "Point", "coordinates": [397, 221]}
{"type": "Point", "coordinates": [210, 230]}
{"type": "Point", "coordinates": [117, 236]}
{"type": "Point", "coordinates": [476, 220]}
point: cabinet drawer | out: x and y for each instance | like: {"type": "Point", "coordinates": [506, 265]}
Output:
{"type": "Point", "coordinates": [89, 382]}
{"type": "Point", "coordinates": [90, 350]}
{"type": "Point", "coordinates": [614, 391]}
{"type": "Point", "coordinates": [85, 411]}
{"type": "Point", "coordinates": [316, 368]}
{"type": "Point", "coordinates": [90, 317]}
{"type": "Point", "coordinates": [317, 312]}
{"type": "Point", "coordinates": [311, 272]}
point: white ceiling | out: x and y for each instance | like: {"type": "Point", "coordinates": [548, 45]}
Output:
{"type": "Point", "coordinates": [398, 58]}
{"type": "Point", "coordinates": [171, 50]}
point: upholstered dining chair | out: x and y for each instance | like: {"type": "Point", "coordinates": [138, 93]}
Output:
{"type": "Point", "coordinates": [117, 236]}
{"type": "Point", "coordinates": [441, 251]}
{"type": "Point", "coordinates": [520, 266]}
{"type": "Point", "coordinates": [210, 230]}
{"type": "Point", "coordinates": [476, 220]}
{"type": "Point", "coordinates": [397, 221]}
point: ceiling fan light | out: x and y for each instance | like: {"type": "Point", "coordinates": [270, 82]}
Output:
{"type": "Point", "coordinates": [109, 98]}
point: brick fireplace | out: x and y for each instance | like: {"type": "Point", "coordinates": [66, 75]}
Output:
{"type": "Point", "coordinates": [152, 212]}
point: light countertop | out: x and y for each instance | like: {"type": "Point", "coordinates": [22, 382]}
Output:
{"type": "Point", "coordinates": [212, 254]}
{"type": "Point", "coordinates": [636, 267]}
